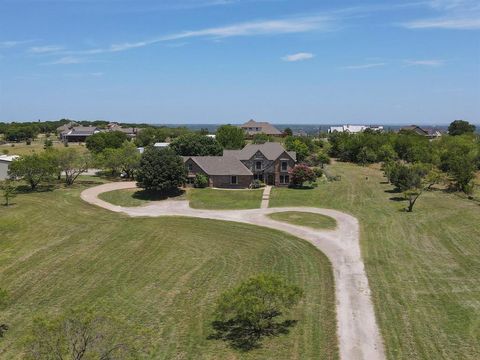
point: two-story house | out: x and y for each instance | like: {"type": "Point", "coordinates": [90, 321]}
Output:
{"type": "Point", "coordinates": [268, 162]}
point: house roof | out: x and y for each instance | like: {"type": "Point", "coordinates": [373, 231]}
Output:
{"type": "Point", "coordinates": [220, 165]}
{"type": "Point", "coordinates": [415, 128]}
{"type": "Point", "coordinates": [265, 128]}
{"type": "Point", "coordinates": [271, 150]}
{"type": "Point", "coordinates": [8, 158]}
{"type": "Point", "coordinates": [82, 130]}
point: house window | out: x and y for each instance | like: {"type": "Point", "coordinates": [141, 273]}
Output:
{"type": "Point", "coordinates": [258, 165]}
{"type": "Point", "coordinates": [284, 179]}
{"type": "Point", "coordinates": [190, 167]}
{"type": "Point", "coordinates": [284, 165]}
{"type": "Point", "coordinates": [234, 180]}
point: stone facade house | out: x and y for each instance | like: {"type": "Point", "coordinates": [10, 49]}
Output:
{"type": "Point", "coordinates": [253, 127]}
{"type": "Point", "coordinates": [269, 163]}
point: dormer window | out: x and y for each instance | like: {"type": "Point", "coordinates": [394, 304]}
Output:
{"type": "Point", "coordinates": [258, 165]}
{"type": "Point", "coordinates": [190, 167]}
{"type": "Point", "coordinates": [284, 165]}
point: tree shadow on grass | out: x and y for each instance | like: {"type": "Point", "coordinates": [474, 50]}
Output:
{"type": "Point", "coordinates": [26, 189]}
{"type": "Point", "coordinates": [241, 336]}
{"type": "Point", "coordinates": [398, 198]}
{"type": "Point", "coordinates": [148, 195]}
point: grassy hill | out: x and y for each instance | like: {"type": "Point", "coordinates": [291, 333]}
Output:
{"type": "Point", "coordinates": [423, 267]}
{"type": "Point", "coordinates": [163, 275]}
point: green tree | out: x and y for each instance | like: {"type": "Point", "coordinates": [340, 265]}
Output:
{"type": "Point", "coordinates": [34, 169]}
{"type": "Point", "coordinates": [301, 174]}
{"type": "Point", "coordinates": [193, 144]}
{"type": "Point", "coordinates": [105, 140]}
{"type": "Point", "coordinates": [297, 145]}
{"type": "Point", "coordinates": [161, 170]}
{"type": "Point", "coordinates": [231, 137]}
{"type": "Point", "coordinates": [201, 181]}
{"type": "Point", "coordinates": [287, 132]}
{"type": "Point", "coordinates": [71, 162]}
{"type": "Point", "coordinates": [249, 312]}
{"type": "Point", "coordinates": [81, 334]}
{"type": "Point", "coordinates": [9, 191]}
{"type": "Point", "coordinates": [261, 138]}
{"type": "Point", "coordinates": [460, 127]}
{"type": "Point", "coordinates": [413, 180]}
{"type": "Point", "coordinates": [125, 159]}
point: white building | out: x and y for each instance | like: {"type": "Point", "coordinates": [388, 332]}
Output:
{"type": "Point", "coordinates": [5, 161]}
{"type": "Point", "coordinates": [354, 129]}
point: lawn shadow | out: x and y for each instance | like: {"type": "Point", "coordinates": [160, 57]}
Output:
{"type": "Point", "coordinates": [148, 195]}
{"type": "Point", "coordinates": [241, 336]}
{"type": "Point", "coordinates": [397, 198]}
{"type": "Point", "coordinates": [26, 189]}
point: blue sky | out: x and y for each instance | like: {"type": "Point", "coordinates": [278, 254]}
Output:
{"type": "Point", "coordinates": [219, 61]}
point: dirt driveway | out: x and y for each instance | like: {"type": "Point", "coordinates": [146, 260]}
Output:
{"type": "Point", "coordinates": [359, 335]}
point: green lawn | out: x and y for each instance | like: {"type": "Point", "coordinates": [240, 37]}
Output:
{"type": "Point", "coordinates": [225, 199]}
{"type": "Point", "coordinates": [36, 146]}
{"type": "Point", "coordinates": [423, 267]}
{"type": "Point", "coordinates": [134, 197]}
{"type": "Point", "coordinates": [316, 221]}
{"type": "Point", "coordinates": [164, 274]}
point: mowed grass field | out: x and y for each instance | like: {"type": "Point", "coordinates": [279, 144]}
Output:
{"type": "Point", "coordinates": [423, 267]}
{"type": "Point", "coordinates": [135, 197]}
{"type": "Point", "coordinates": [225, 199]}
{"type": "Point", "coordinates": [36, 146]}
{"type": "Point", "coordinates": [315, 221]}
{"type": "Point", "coordinates": [161, 274]}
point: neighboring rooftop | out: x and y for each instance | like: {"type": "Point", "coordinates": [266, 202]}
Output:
{"type": "Point", "coordinates": [8, 158]}
{"type": "Point", "coordinates": [271, 150]}
{"type": "Point", "coordinates": [220, 165]}
{"type": "Point", "coordinates": [253, 127]}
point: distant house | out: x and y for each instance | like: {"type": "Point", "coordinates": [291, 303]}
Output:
{"type": "Point", "coordinates": [66, 127]}
{"type": "Point", "coordinates": [354, 129]}
{"type": "Point", "coordinates": [5, 161]}
{"type": "Point", "coordinates": [268, 162]}
{"type": "Point", "coordinates": [253, 127]}
{"type": "Point", "coordinates": [131, 132]}
{"type": "Point", "coordinates": [78, 133]}
{"type": "Point", "coordinates": [429, 132]}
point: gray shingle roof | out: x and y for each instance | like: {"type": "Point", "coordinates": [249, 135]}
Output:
{"type": "Point", "coordinates": [265, 128]}
{"type": "Point", "coordinates": [82, 130]}
{"type": "Point", "coordinates": [271, 150]}
{"type": "Point", "coordinates": [220, 165]}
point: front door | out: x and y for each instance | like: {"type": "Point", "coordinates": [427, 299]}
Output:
{"type": "Point", "coordinates": [270, 179]}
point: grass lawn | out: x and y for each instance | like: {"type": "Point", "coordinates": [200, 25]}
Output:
{"type": "Point", "coordinates": [225, 199]}
{"type": "Point", "coordinates": [164, 274]}
{"type": "Point", "coordinates": [316, 221]}
{"type": "Point", "coordinates": [134, 197]}
{"type": "Point", "coordinates": [36, 146]}
{"type": "Point", "coordinates": [423, 267]}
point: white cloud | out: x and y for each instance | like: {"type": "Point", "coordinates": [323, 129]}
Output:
{"type": "Point", "coordinates": [431, 63]}
{"type": "Point", "coordinates": [469, 23]}
{"type": "Point", "coordinates": [67, 60]}
{"type": "Point", "coordinates": [450, 15]}
{"type": "Point", "coordinates": [253, 28]}
{"type": "Point", "coordinates": [298, 57]}
{"type": "Point", "coordinates": [12, 43]}
{"type": "Point", "coordinates": [364, 66]}
{"type": "Point", "coordinates": [45, 49]}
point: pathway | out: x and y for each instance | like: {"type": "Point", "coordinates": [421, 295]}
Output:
{"type": "Point", "coordinates": [359, 336]}
{"type": "Point", "coordinates": [266, 197]}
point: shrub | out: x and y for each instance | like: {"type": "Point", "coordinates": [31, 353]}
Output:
{"type": "Point", "coordinates": [300, 174]}
{"type": "Point", "coordinates": [249, 312]}
{"type": "Point", "coordinates": [201, 181]}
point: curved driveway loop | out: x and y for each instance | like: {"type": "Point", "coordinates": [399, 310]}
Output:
{"type": "Point", "coordinates": [359, 336]}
